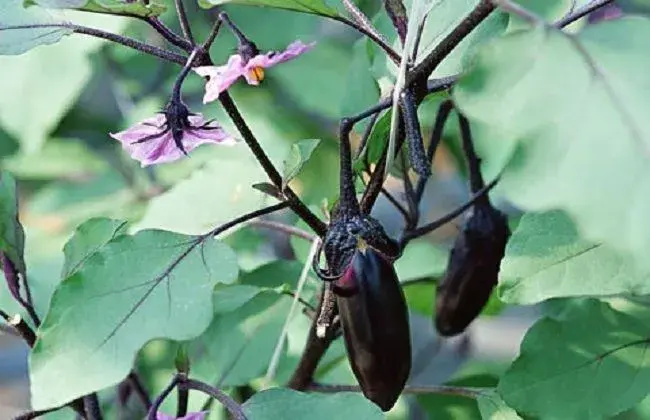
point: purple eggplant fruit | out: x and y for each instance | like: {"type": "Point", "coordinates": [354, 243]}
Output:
{"type": "Point", "coordinates": [472, 270]}
{"type": "Point", "coordinates": [375, 324]}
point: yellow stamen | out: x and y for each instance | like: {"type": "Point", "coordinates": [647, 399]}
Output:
{"type": "Point", "coordinates": [257, 73]}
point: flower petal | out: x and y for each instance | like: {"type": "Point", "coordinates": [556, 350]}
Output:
{"type": "Point", "coordinates": [221, 77]}
{"type": "Point", "coordinates": [163, 149]}
{"type": "Point", "coordinates": [272, 58]}
{"type": "Point", "coordinates": [142, 129]}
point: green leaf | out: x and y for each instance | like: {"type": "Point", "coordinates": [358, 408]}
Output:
{"type": "Point", "coordinates": [316, 7]}
{"type": "Point", "coordinates": [299, 155]}
{"type": "Point", "coordinates": [41, 98]}
{"type": "Point", "coordinates": [18, 40]}
{"type": "Point", "coordinates": [421, 259]}
{"type": "Point", "coordinates": [142, 8]}
{"type": "Point", "coordinates": [362, 88]}
{"type": "Point", "coordinates": [283, 403]}
{"type": "Point", "coordinates": [492, 407]}
{"type": "Point", "coordinates": [238, 345]}
{"type": "Point", "coordinates": [564, 107]}
{"type": "Point", "coordinates": [549, 10]}
{"type": "Point", "coordinates": [442, 19]}
{"type": "Point", "coordinates": [376, 143]}
{"type": "Point", "coordinates": [154, 284]}
{"type": "Point", "coordinates": [457, 407]}
{"type": "Point", "coordinates": [591, 363]}
{"type": "Point", "coordinates": [57, 159]}
{"type": "Point", "coordinates": [195, 205]}
{"type": "Point", "coordinates": [89, 238]}
{"type": "Point", "coordinates": [546, 258]}
{"type": "Point", "coordinates": [12, 235]}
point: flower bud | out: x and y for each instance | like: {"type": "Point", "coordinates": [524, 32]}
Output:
{"type": "Point", "coordinates": [375, 326]}
{"type": "Point", "coordinates": [11, 275]}
{"type": "Point", "coordinates": [472, 270]}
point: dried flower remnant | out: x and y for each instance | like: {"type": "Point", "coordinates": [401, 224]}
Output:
{"type": "Point", "coordinates": [248, 63]}
{"type": "Point", "coordinates": [170, 135]}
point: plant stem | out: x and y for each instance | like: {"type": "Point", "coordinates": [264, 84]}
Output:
{"type": "Point", "coordinates": [231, 405]}
{"type": "Point", "coordinates": [168, 34]}
{"type": "Point", "coordinates": [415, 233]}
{"type": "Point", "coordinates": [473, 161]}
{"type": "Point", "coordinates": [184, 22]}
{"type": "Point", "coordinates": [392, 54]}
{"type": "Point", "coordinates": [91, 407]}
{"type": "Point", "coordinates": [451, 41]}
{"type": "Point", "coordinates": [139, 389]}
{"type": "Point", "coordinates": [397, 13]}
{"type": "Point", "coordinates": [294, 202]}
{"type": "Point", "coordinates": [348, 203]}
{"type": "Point", "coordinates": [418, 390]}
{"type": "Point", "coordinates": [362, 20]}
{"type": "Point", "coordinates": [581, 12]}
{"type": "Point", "coordinates": [284, 228]}
{"type": "Point", "coordinates": [119, 39]}
{"type": "Point", "coordinates": [314, 350]}
{"type": "Point", "coordinates": [153, 411]}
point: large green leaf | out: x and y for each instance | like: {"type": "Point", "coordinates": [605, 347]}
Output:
{"type": "Point", "coordinates": [67, 158]}
{"type": "Point", "coordinates": [238, 345]}
{"type": "Point", "coordinates": [45, 82]}
{"type": "Point", "coordinates": [88, 239]}
{"type": "Point", "coordinates": [212, 195]}
{"type": "Point", "coordinates": [546, 258]}
{"type": "Point", "coordinates": [155, 284]}
{"type": "Point", "coordinates": [316, 7]}
{"type": "Point", "coordinates": [283, 403]}
{"type": "Point", "coordinates": [143, 8]}
{"type": "Point", "coordinates": [571, 114]}
{"type": "Point", "coordinates": [442, 19]}
{"type": "Point", "coordinates": [12, 235]}
{"type": "Point", "coordinates": [492, 407]}
{"type": "Point", "coordinates": [589, 364]}
{"type": "Point", "coordinates": [17, 41]}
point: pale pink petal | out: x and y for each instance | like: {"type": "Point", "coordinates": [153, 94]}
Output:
{"type": "Point", "coordinates": [196, 136]}
{"type": "Point", "coordinates": [142, 129]}
{"type": "Point", "coordinates": [221, 78]}
{"type": "Point", "coordinates": [272, 58]}
{"type": "Point", "coordinates": [163, 149]}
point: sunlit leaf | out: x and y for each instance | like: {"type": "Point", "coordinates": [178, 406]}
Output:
{"type": "Point", "coordinates": [547, 258]}
{"type": "Point", "coordinates": [155, 284]}
{"type": "Point", "coordinates": [142, 8]}
{"type": "Point", "coordinates": [299, 155]}
{"type": "Point", "coordinates": [88, 239]}
{"type": "Point", "coordinates": [316, 7]}
{"type": "Point", "coordinates": [591, 363]}
{"type": "Point", "coordinates": [283, 403]}
{"type": "Point", "coordinates": [238, 345]}
{"type": "Point", "coordinates": [17, 31]}
{"type": "Point", "coordinates": [571, 117]}
{"type": "Point", "coordinates": [492, 407]}
{"type": "Point", "coordinates": [45, 82]}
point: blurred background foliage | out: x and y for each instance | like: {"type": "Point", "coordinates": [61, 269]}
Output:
{"type": "Point", "coordinates": [60, 102]}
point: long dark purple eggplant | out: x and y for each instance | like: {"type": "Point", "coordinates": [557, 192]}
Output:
{"type": "Point", "coordinates": [375, 324]}
{"type": "Point", "coordinates": [472, 270]}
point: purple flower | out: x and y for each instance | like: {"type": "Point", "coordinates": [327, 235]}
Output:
{"type": "Point", "coordinates": [190, 416]}
{"type": "Point", "coordinates": [169, 135]}
{"type": "Point", "coordinates": [251, 68]}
